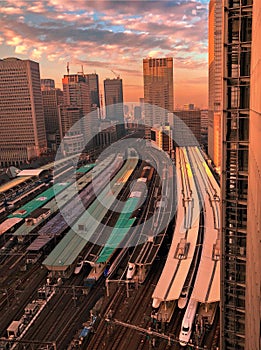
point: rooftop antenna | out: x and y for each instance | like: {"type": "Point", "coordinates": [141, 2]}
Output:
{"type": "Point", "coordinates": [68, 68]}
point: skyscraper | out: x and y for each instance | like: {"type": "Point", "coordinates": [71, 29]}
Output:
{"type": "Point", "coordinates": [22, 129]}
{"type": "Point", "coordinates": [215, 82]}
{"type": "Point", "coordinates": [77, 93]}
{"type": "Point", "coordinates": [71, 129]}
{"type": "Point", "coordinates": [93, 81]}
{"type": "Point", "coordinates": [52, 99]}
{"type": "Point", "coordinates": [158, 90]}
{"type": "Point", "coordinates": [240, 178]}
{"type": "Point", "coordinates": [47, 84]}
{"type": "Point", "coordinates": [192, 119]}
{"type": "Point", "coordinates": [113, 93]}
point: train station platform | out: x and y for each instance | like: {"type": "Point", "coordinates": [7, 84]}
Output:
{"type": "Point", "coordinates": [8, 224]}
{"type": "Point", "coordinates": [62, 198]}
{"type": "Point", "coordinates": [67, 251]}
{"type": "Point", "coordinates": [207, 283]}
{"type": "Point", "coordinates": [85, 169]}
{"type": "Point", "coordinates": [39, 201]}
{"type": "Point", "coordinates": [13, 183]}
{"type": "Point", "coordinates": [30, 172]}
{"type": "Point", "coordinates": [120, 230]}
{"type": "Point", "coordinates": [184, 239]}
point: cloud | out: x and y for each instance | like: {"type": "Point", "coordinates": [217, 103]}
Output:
{"type": "Point", "coordinates": [105, 33]}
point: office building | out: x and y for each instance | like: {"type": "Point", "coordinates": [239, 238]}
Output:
{"type": "Point", "coordinates": [113, 93]}
{"type": "Point", "coordinates": [52, 100]}
{"type": "Point", "coordinates": [47, 84]}
{"type": "Point", "coordinates": [161, 136]}
{"type": "Point", "coordinates": [204, 128]}
{"type": "Point", "coordinates": [215, 82]}
{"type": "Point", "coordinates": [240, 178]}
{"type": "Point", "coordinates": [93, 81]}
{"type": "Point", "coordinates": [192, 119]}
{"type": "Point", "coordinates": [158, 91]}
{"type": "Point", "coordinates": [77, 92]}
{"type": "Point", "coordinates": [71, 129]}
{"type": "Point", "coordinates": [137, 112]}
{"type": "Point", "coordinates": [22, 128]}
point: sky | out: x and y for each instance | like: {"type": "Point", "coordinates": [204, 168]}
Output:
{"type": "Point", "coordinates": [111, 38]}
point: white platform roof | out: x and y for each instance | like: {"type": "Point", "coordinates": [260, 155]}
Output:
{"type": "Point", "coordinates": [30, 172]}
{"type": "Point", "coordinates": [207, 283]}
{"type": "Point", "coordinates": [175, 270]}
{"type": "Point", "coordinates": [8, 223]}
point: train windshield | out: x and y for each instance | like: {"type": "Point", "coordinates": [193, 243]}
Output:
{"type": "Point", "coordinates": [185, 329]}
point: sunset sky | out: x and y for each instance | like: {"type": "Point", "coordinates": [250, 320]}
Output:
{"type": "Point", "coordinates": [111, 35]}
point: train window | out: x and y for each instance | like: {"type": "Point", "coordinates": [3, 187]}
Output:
{"type": "Point", "coordinates": [185, 329]}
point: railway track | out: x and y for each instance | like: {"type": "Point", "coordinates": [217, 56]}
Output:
{"type": "Point", "coordinates": [21, 296]}
{"type": "Point", "coordinates": [55, 312]}
{"type": "Point", "coordinates": [60, 320]}
{"type": "Point", "coordinates": [135, 310]}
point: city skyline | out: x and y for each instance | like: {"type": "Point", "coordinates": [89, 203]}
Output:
{"type": "Point", "coordinates": [104, 38]}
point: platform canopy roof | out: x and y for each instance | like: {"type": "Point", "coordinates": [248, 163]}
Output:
{"type": "Point", "coordinates": [31, 172]}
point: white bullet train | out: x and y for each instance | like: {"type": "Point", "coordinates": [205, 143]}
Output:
{"type": "Point", "coordinates": [187, 322]}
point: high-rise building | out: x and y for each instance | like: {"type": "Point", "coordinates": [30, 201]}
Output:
{"type": "Point", "coordinates": [71, 131]}
{"type": "Point", "coordinates": [215, 82]}
{"type": "Point", "coordinates": [192, 119]}
{"type": "Point", "coordinates": [22, 129]}
{"type": "Point", "coordinates": [204, 128]}
{"type": "Point", "coordinates": [47, 84]}
{"type": "Point", "coordinates": [77, 92]}
{"type": "Point", "coordinates": [137, 112]}
{"type": "Point", "coordinates": [240, 178]}
{"type": "Point", "coordinates": [93, 81]}
{"type": "Point", "coordinates": [113, 93]}
{"type": "Point", "coordinates": [158, 90]}
{"type": "Point", "coordinates": [52, 100]}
